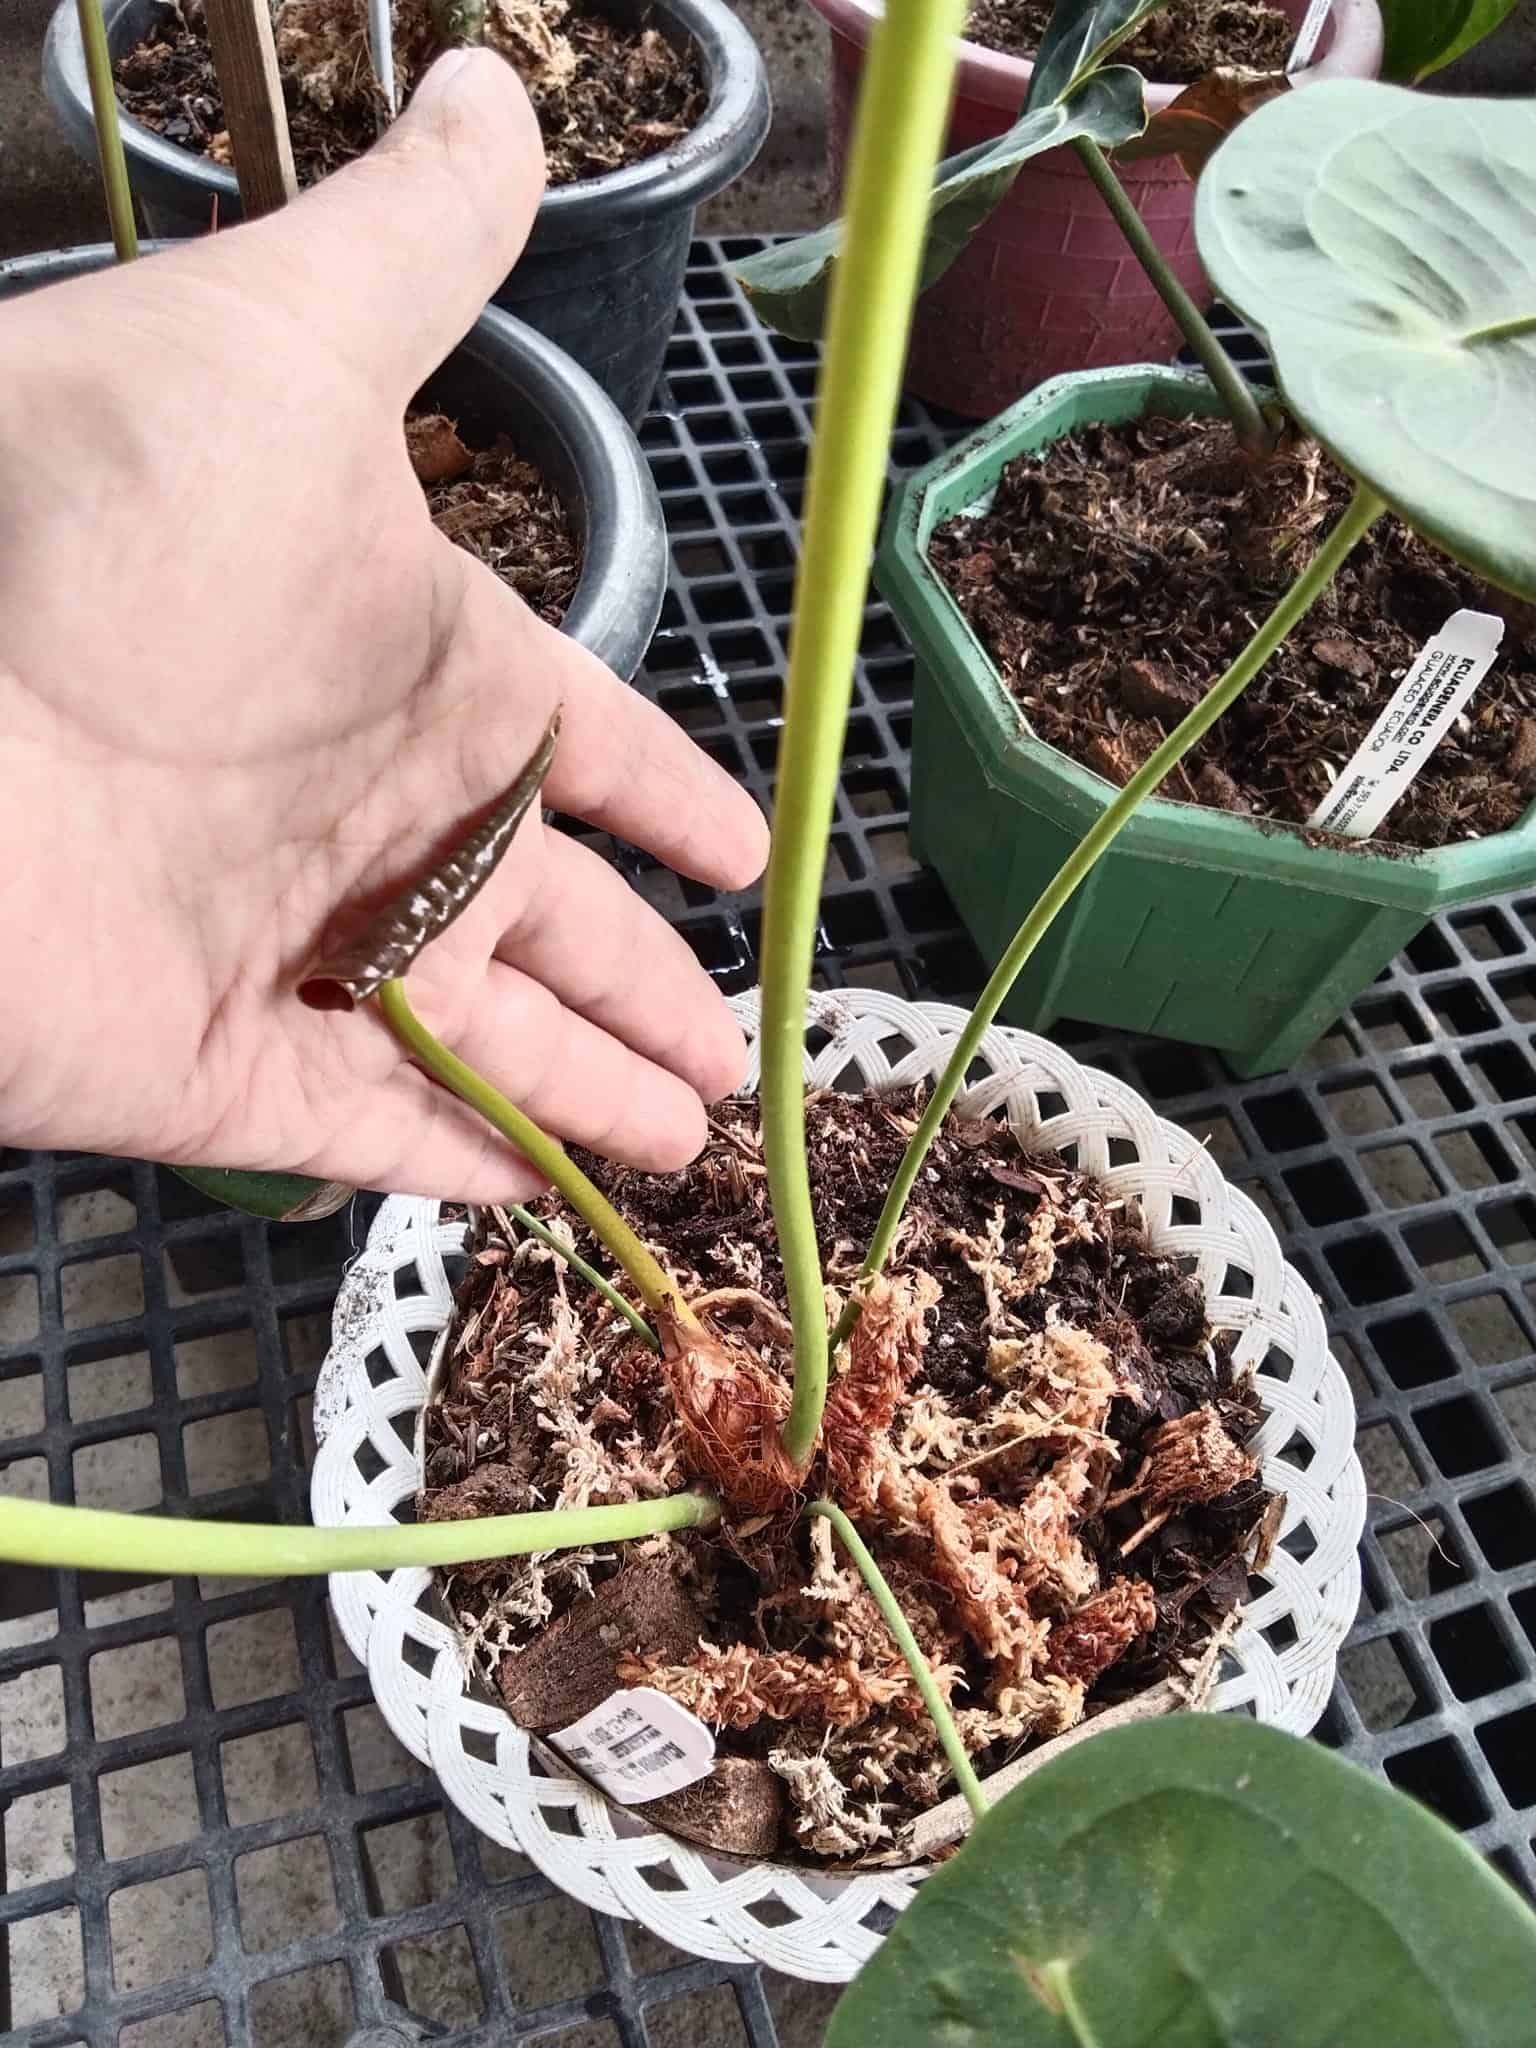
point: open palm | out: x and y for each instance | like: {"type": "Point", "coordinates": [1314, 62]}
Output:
{"type": "Point", "coordinates": [245, 686]}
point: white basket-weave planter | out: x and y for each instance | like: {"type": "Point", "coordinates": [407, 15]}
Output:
{"type": "Point", "coordinates": [397, 1297]}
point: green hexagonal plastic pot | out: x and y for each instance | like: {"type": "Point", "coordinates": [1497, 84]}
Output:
{"type": "Point", "coordinates": [1196, 925]}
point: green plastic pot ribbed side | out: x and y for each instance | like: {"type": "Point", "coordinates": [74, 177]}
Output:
{"type": "Point", "coordinates": [1197, 925]}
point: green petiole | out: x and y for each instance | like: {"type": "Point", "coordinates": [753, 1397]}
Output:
{"type": "Point", "coordinates": [907, 1643]}
{"type": "Point", "coordinates": [1357, 518]}
{"type": "Point", "coordinates": [656, 1287]}
{"type": "Point", "coordinates": [590, 1274]}
{"type": "Point", "coordinates": [1057, 1976]}
{"type": "Point", "coordinates": [1253, 431]}
{"type": "Point", "coordinates": [903, 107]}
{"type": "Point", "coordinates": [91, 1539]}
{"type": "Point", "coordinates": [109, 134]}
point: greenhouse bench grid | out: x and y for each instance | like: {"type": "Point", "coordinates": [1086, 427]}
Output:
{"type": "Point", "coordinates": [204, 1759]}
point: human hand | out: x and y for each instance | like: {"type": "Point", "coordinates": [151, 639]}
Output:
{"type": "Point", "coordinates": [244, 684]}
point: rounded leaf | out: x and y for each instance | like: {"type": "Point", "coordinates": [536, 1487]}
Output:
{"type": "Point", "coordinates": [1384, 244]}
{"type": "Point", "coordinates": [1203, 1882]}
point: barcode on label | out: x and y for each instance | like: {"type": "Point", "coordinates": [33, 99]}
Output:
{"type": "Point", "coordinates": [658, 1759]}
{"type": "Point", "coordinates": [638, 1745]}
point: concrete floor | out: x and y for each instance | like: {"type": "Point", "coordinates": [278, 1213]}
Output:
{"type": "Point", "coordinates": [47, 198]}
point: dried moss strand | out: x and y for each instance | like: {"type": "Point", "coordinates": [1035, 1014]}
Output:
{"type": "Point", "coordinates": [1353, 524]}
{"type": "Point", "coordinates": [656, 1287]}
{"type": "Point", "coordinates": [169, 1546]}
{"type": "Point", "coordinates": [903, 106]}
{"type": "Point", "coordinates": [109, 135]}
{"type": "Point", "coordinates": [1243, 409]}
{"type": "Point", "coordinates": [590, 1274]}
{"type": "Point", "coordinates": [907, 1643]}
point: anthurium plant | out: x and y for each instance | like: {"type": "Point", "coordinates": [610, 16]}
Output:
{"type": "Point", "coordinates": [1077, 98]}
{"type": "Point", "coordinates": [1080, 99]}
{"type": "Point", "coordinates": [1190, 1882]}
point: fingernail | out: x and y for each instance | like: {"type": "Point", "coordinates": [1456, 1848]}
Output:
{"type": "Point", "coordinates": [441, 79]}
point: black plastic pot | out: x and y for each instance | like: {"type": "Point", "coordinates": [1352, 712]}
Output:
{"type": "Point", "coordinates": [602, 274]}
{"type": "Point", "coordinates": [504, 378]}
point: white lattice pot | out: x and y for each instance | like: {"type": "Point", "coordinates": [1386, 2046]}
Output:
{"type": "Point", "coordinates": [397, 1297]}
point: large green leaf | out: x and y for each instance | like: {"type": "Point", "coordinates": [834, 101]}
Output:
{"type": "Point", "coordinates": [1421, 35]}
{"type": "Point", "coordinates": [1203, 1882]}
{"type": "Point", "coordinates": [788, 285]}
{"type": "Point", "coordinates": [1385, 243]}
{"type": "Point", "coordinates": [1078, 37]}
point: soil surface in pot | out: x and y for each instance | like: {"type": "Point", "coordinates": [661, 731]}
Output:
{"type": "Point", "coordinates": [493, 504]}
{"type": "Point", "coordinates": [1117, 573]}
{"type": "Point", "coordinates": [1035, 1430]}
{"type": "Point", "coordinates": [605, 95]}
{"type": "Point", "coordinates": [1175, 46]}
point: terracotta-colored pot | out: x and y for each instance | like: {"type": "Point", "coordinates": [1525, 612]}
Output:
{"type": "Point", "coordinates": [1047, 283]}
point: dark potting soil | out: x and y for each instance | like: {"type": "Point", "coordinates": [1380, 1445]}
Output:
{"type": "Point", "coordinates": [606, 96]}
{"type": "Point", "coordinates": [1035, 1431]}
{"type": "Point", "coordinates": [1115, 577]}
{"type": "Point", "coordinates": [1178, 44]}
{"type": "Point", "coordinates": [495, 505]}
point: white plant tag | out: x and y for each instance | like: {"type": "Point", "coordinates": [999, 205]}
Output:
{"type": "Point", "coordinates": [1307, 35]}
{"type": "Point", "coordinates": [639, 1744]}
{"type": "Point", "coordinates": [1415, 721]}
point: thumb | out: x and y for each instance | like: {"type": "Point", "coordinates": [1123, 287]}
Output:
{"type": "Point", "coordinates": [396, 254]}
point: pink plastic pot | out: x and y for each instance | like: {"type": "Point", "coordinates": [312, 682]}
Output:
{"type": "Point", "coordinates": [1047, 284]}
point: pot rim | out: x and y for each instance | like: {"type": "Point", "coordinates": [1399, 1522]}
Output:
{"type": "Point", "coordinates": [624, 554]}
{"type": "Point", "coordinates": [997, 80]}
{"type": "Point", "coordinates": [624, 562]}
{"type": "Point", "coordinates": [1423, 879]}
{"type": "Point", "coordinates": [728, 136]}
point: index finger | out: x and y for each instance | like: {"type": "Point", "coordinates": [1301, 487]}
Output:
{"type": "Point", "coordinates": [621, 764]}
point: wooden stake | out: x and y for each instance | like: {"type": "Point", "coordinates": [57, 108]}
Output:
{"type": "Point", "coordinates": [245, 58]}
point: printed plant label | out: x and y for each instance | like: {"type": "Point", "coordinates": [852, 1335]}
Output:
{"type": "Point", "coordinates": [639, 1744]}
{"type": "Point", "coordinates": [1415, 721]}
{"type": "Point", "coordinates": [1307, 35]}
